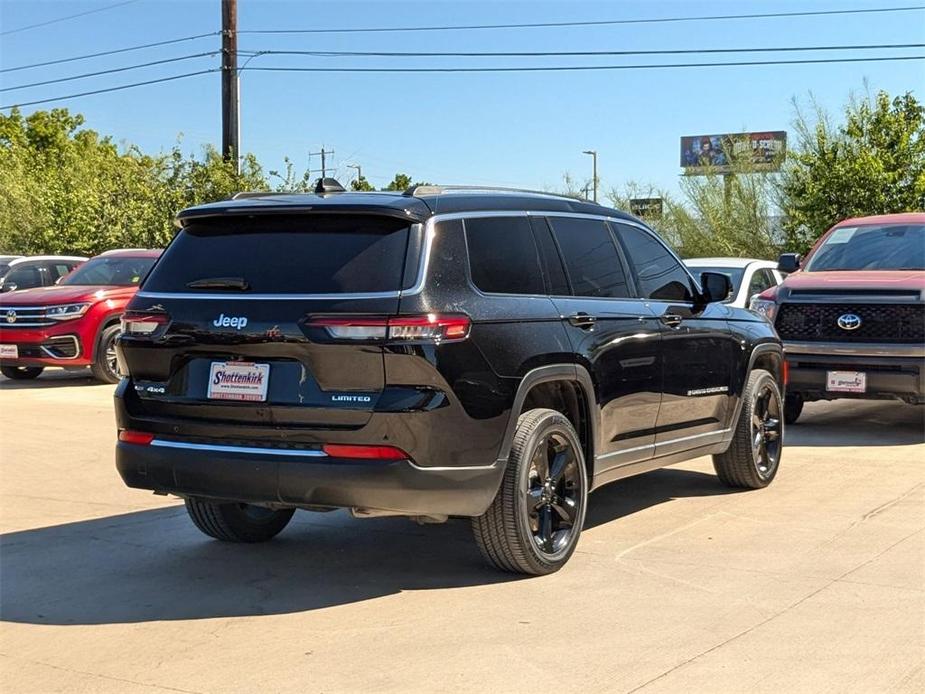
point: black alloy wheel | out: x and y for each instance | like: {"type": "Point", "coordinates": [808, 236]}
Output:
{"type": "Point", "coordinates": [553, 493]}
{"type": "Point", "coordinates": [753, 457]}
{"type": "Point", "coordinates": [767, 430]}
{"type": "Point", "coordinates": [534, 523]}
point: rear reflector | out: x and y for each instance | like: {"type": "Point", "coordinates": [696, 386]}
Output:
{"type": "Point", "coordinates": [336, 450]}
{"type": "Point", "coordinates": [428, 328]}
{"type": "Point", "coordinates": [139, 323]}
{"type": "Point", "coordinates": [141, 438]}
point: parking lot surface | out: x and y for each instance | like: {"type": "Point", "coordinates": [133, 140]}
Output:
{"type": "Point", "coordinates": [814, 584]}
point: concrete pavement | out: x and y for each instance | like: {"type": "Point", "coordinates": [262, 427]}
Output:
{"type": "Point", "coordinates": [816, 583]}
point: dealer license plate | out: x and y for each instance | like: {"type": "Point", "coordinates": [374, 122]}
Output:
{"type": "Point", "coordinates": [238, 380]}
{"type": "Point", "coordinates": [846, 382]}
{"type": "Point", "coordinates": [9, 352]}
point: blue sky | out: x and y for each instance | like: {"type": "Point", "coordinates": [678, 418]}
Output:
{"type": "Point", "coordinates": [507, 129]}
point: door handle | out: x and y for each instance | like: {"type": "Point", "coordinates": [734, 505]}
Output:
{"type": "Point", "coordinates": [582, 320]}
{"type": "Point", "coordinates": [672, 320]}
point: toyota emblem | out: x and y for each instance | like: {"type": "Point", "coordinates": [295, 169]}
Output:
{"type": "Point", "coordinates": [849, 321]}
{"type": "Point", "coordinates": [11, 316]}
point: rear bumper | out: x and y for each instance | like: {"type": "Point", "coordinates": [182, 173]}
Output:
{"type": "Point", "coordinates": [888, 377]}
{"type": "Point", "coordinates": [306, 478]}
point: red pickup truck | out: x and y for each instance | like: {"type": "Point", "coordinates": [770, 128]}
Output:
{"type": "Point", "coordinates": [852, 313]}
{"type": "Point", "coordinates": [73, 323]}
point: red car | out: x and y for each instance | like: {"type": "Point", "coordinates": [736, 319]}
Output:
{"type": "Point", "coordinates": [852, 313]}
{"type": "Point", "coordinates": [74, 323]}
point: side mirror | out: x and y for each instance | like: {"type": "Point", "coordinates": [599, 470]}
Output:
{"type": "Point", "coordinates": [788, 262]}
{"type": "Point", "coordinates": [8, 287]}
{"type": "Point", "coordinates": [716, 286]}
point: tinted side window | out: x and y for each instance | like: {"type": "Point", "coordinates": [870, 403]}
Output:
{"type": "Point", "coordinates": [761, 280]}
{"type": "Point", "coordinates": [24, 277]}
{"type": "Point", "coordinates": [503, 257]}
{"type": "Point", "coordinates": [556, 281]}
{"type": "Point", "coordinates": [55, 271]}
{"type": "Point", "coordinates": [591, 258]}
{"type": "Point", "coordinates": [660, 276]}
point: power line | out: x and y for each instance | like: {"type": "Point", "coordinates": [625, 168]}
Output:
{"type": "Point", "coordinates": [112, 89]}
{"type": "Point", "coordinates": [548, 68]}
{"type": "Point", "coordinates": [566, 68]}
{"type": "Point", "coordinates": [610, 22]}
{"type": "Point", "coordinates": [534, 54]}
{"type": "Point", "coordinates": [112, 52]}
{"type": "Point", "coordinates": [110, 71]}
{"type": "Point", "coordinates": [64, 19]}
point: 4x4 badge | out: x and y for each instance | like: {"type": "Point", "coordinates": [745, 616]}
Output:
{"type": "Point", "coordinates": [849, 321]}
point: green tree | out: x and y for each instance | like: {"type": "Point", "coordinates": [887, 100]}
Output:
{"type": "Point", "coordinates": [360, 183]}
{"type": "Point", "coordinates": [873, 163]}
{"type": "Point", "coordinates": [289, 181]}
{"type": "Point", "coordinates": [716, 215]}
{"type": "Point", "coordinates": [401, 182]}
{"type": "Point", "coordinates": [67, 189]}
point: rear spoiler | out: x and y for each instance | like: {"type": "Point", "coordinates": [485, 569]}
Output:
{"type": "Point", "coordinates": [245, 207]}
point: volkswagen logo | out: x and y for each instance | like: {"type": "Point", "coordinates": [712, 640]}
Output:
{"type": "Point", "coordinates": [11, 316]}
{"type": "Point", "coordinates": [849, 321]}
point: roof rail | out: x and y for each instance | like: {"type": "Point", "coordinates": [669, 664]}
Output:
{"type": "Point", "coordinates": [417, 191]}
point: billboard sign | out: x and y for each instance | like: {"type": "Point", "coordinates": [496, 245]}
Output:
{"type": "Point", "coordinates": [763, 151]}
{"type": "Point", "coordinates": [647, 208]}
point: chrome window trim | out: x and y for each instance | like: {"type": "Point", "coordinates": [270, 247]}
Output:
{"type": "Point", "coordinates": [275, 297]}
{"type": "Point", "coordinates": [424, 262]}
{"type": "Point", "coordinates": [248, 450]}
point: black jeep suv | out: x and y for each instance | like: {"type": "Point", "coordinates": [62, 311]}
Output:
{"type": "Point", "coordinates": [442, 352]}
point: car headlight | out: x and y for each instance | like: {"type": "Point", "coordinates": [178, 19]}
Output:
{"type": "Point", "coordinates": [66, 311]}
{"type": "Point", "coordinates": [764, 307]}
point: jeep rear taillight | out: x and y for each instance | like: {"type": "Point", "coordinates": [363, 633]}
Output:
{"type": "Point", "coordinates": [431, 327]}
{"type": "Point", "coordinates": [142, 323]}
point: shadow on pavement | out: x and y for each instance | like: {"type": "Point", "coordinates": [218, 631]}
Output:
{"type": "Point", "coordinates": [858, 423]}
{"type": "Point", "coordinates": [54, 378]}
{"type": "Point", "coordinates": [153, 565]}
{"type": "Point", "coordinates": [634, 494]}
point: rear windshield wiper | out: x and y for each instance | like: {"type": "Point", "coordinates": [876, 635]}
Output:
{"type": "Point", "coordinates": [238, 283]}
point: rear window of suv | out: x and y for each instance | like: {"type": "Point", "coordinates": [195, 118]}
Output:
{"type": "Point", "coordinates": [307, 254]}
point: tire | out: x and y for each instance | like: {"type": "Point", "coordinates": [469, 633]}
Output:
{"type": "Point", "coordinates": [753, 458]}
{"type": "Point", "coordinates": [533, 524]}
{"type": "Point", "coordinates": [21, 373]}
{"type": "Point", "coordinates": [236, 522]}
{"type": "Point", "coordinates": [104, 364]}
{"type": "Point", "coordinates": [793, 407]}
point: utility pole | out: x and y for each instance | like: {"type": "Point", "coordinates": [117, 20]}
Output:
{"type": "Point", "coordinates": [324, 165]}
{"type": "Point", "coordinates": [230, 103]}
{"type": "Point", "coordinates": [593, 154]}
